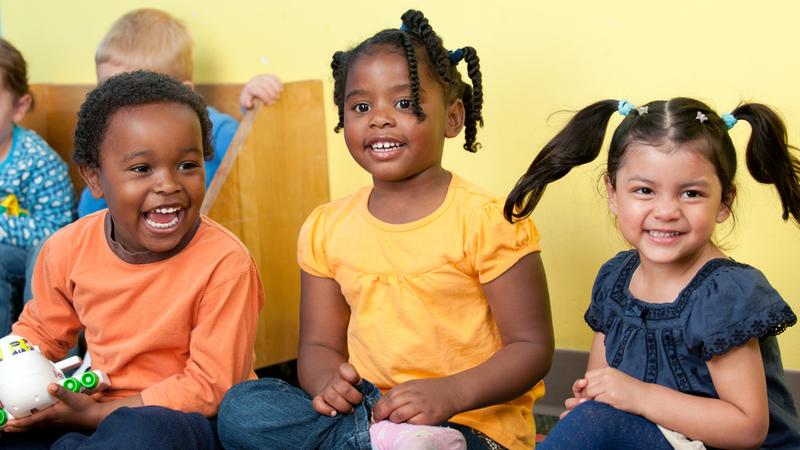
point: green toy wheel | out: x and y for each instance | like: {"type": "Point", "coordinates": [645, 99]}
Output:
{"type": "Point", "coordinates": [3, 417]}
{"type": "Point", "coordinates": [72, 384]}
{"type": "Point", "coordinates": [90, 380]}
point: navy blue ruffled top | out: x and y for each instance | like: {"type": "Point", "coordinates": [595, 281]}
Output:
{"type": "Point", "coordinates": [725, 305]}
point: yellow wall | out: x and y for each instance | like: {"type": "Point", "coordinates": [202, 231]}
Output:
{"type": "Point", "coordinates": [537, 58]}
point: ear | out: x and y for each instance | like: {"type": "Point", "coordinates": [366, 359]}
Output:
{"type": "Point", "coordinates": [188, 84]}
{"type": "Point", "coordinates": [22, 107]}
{"type": "Point", "coordinates": [724, 210]}
{"type": "Point", "coordinates": [91, 176]}
{"type": "Point", "coordinates": [455, 119]}
{"type": "Point", "coordinates": [612, 194]}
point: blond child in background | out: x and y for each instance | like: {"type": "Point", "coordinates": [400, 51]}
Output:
{"type": "Point", "coordinates": [151, 39]}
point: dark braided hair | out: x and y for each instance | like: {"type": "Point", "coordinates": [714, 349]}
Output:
{"type": "Point", "coordinates": [680, 120]}
{"type": "Point", "coordinates": [126, 90]}
{"type": "Point", "coordinates": [415, 34]}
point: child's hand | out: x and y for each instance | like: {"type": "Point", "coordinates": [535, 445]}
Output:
{"type": "Point", "coordinates": [340, 394]}
{"type": "Point", "coordinates": [578, 396]}
{"type": "Point", "coordinates": [73, 410]}
{"type": "Point", "coordinates": [264, 87]}
{"type": "Point", "coordinates": [615, 388]}
{"type": "Point", "coordinates": [419, 402]}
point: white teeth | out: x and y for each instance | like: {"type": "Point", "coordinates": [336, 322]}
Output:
{"type": "Point", "coordinates": [169, 224]}
{"type": "Point", "coordinates": [384, 146]}
{"type": "Point", "coordinates": [167, 210]}
{"type": "Point", "coordinates": [663, 234]}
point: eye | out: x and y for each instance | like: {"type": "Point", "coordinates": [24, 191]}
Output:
{"type": "Point", "coordinates": [188, 165]}
{"type": "Point", "coordinates": [692, 194]}
{"type": "Point", "coordinates": [403, 103]}
{"type": "Point", "coordinates": [141, 168]}
{"type": "Point", "coordinates": [361, 107]}
{"type": "Point", "coordinates": [643, 191]}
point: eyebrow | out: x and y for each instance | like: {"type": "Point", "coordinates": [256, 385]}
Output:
{"type": "Point", "coordinates": [142, 153]}
{"type": "Point", "coordinates": [699, 182]}
{"type": "Point", "coordinates": [396, 88]}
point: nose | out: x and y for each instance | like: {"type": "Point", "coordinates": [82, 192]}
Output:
{"type": "Point", "coordinates": [167, 183]}
{"type": "Point", "coordinates": [667, 208]}
{"type": "Point", "coordinates": [382, 116]}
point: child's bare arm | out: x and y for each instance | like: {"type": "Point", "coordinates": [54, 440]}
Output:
{"type": "Point", "coordinates": [520, 306]}
{"type": "Point", "coordinates": [597, 360]}
{"type": "Point", "coordinates": [738, 419]}
{"type": "Point", "coordinates": [322, 357]}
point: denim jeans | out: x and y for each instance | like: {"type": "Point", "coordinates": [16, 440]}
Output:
{"type": "Point", "coordinates": [271, 414]}
{"type": "Point", "coordinates": [148, 427]}
{"type": "Point", "coordinates": [596, 426]}
{"type": "Point", "coordinates": [12, 281]}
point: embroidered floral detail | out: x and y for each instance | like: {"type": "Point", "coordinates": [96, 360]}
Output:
{"type": "Point", "coordinates": [594, 321]}
{"type": "Point", "coordinates": [777, 321]}
{"type": "Point", "coordinates": [674, 309]}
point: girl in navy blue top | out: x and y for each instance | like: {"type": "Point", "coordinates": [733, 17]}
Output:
{"type": "Point", "coordinates": [684, 353]}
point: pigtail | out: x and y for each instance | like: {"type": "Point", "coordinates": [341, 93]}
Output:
{"type": "Point", "coordinates": [338, 64]}
{"type": "Point", "coordinates": [473, 100]}
{"type": "Point", "coordinates": [415, 22]}
{"type": "Point", "coordinates": [413, 75]}
{"type": "Point", "coordinates": [579, 142]}
{"type": "Point", "coordinates": [769, 157]}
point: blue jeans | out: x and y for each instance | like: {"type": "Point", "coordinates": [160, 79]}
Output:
{"type": "Point", "coordinates": [596, 426]}
{"type": "Point", "coordinates": [12, 281]}
{"type": "Point", "coordinates": [148, 427]}
{"type": "Point", "coordinates": [271, 414]}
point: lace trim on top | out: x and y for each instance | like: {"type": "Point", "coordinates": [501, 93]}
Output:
{"type": "Point", "coordinates": [771, 321]}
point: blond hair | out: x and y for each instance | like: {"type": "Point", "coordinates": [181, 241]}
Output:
{"type": "Point", "coordinates": [148, 39]}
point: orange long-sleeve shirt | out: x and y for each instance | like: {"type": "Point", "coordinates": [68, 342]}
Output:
{"type": "Point", "coordinates": [179, 331]}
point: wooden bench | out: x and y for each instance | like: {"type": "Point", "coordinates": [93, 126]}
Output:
{"type": "Point", "coordinates": [274, 173]}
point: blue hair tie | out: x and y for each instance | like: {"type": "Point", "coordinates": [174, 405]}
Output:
{"type": "Point", "coordinates": [456, 56]}
{"type": "Point", "coordinates": [729, 120]}
{"type": "Point", "coordinates": [403, 27]}
{"type": "Point", "coordinates": [624, 107]}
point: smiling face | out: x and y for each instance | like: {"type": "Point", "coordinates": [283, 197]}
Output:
{"type": "Point", "coordinates": [151, 174]}
{"type": "Point", "coordinates": [667, 202]}
{"type": "Point", "coordinates": [381, 130]}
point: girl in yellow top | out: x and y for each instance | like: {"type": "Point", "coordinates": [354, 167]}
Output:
{"type": "Point", "coordinates": [416, 283]}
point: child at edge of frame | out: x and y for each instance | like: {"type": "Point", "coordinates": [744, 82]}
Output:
{"type": "Point", "coordinates": [685, 353]}
{"type": "Point", "coordinates": [168, 298]}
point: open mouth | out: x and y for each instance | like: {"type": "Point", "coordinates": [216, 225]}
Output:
{"type": "Point", "coordinates": [657, 234]}
{"type": "Point", "coordinates": [164, 218]}
{"type": "Point", "coordinates": [385, 147]}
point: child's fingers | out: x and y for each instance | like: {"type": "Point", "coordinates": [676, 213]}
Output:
{"type": "Point", "coordinates": [322, 407]}
{"type": "Point", "coordinates": [349, 373]}
{"type": "Point", "coordinates": [579, 386]}
{"type": "Point", "coordinates": [347, 391]}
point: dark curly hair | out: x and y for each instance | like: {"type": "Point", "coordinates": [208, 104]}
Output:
{"type": "Point", "coordinates": [415, 34]}
{"type": "Point", "coordinates": [126, 90]}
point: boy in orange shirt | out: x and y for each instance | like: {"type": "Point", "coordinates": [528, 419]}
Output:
{"type": "Point", "coordinates": [168, 298]}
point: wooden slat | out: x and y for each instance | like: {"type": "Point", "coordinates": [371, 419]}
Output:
{"type": "Point", "coordinates": [279, 176]}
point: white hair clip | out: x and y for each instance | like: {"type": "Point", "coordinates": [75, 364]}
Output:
{"type": "Point", "coordinates": [701, 117]}
{"type": "Point", "coordinates": [642, 109]}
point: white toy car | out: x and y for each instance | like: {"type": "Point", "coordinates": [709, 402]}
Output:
{"type": "Point", "coordinates": [25, 374]}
